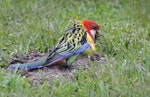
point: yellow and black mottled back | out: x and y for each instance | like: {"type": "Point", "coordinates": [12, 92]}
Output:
{"type": "Point", "coordinates": [72, 40]}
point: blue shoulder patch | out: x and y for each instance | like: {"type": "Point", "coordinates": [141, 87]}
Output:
{"type": "Point", "coordinates": [78, 51]}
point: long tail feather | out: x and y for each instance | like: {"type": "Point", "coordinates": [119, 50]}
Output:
{"type": "Point", "coordinates": [29, 66]}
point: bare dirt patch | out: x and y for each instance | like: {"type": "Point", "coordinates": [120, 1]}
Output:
{"type": "Point", "coordinates": [52, 72]}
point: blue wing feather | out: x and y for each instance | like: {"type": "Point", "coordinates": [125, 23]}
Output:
{"type": "Point", "coordinates": [66, 55]}
{"type": "Point", "coordinates": [78, 51]}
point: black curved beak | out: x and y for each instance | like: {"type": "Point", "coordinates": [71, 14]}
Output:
{"type": "Point", "coordinates": [97, 36]}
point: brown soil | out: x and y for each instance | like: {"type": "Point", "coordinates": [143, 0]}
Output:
{"type": "Point", "coordinates": [52, 72]}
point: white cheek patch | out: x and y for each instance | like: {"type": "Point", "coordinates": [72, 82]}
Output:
{"type": "Point", "coordinates": [99, 31]}
{"type": "Point", "coordinates": [93, 32]}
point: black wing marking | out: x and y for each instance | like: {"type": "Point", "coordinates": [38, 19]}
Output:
{"type": "Point", "coordinates": [72, 40]}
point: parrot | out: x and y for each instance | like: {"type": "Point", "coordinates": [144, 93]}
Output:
{"type": "Point", "coordinates": [79, 39]}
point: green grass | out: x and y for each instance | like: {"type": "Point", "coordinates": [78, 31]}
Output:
{"type": "Point", "coordinates": [36, 24]}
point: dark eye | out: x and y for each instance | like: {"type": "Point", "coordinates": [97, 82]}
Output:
{"type": "Point", "coordinates": [94, 27]}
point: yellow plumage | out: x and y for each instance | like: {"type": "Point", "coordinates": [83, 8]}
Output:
{"type": "Point", "coordinates": [90, 51]}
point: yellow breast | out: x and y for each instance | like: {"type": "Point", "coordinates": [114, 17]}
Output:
{"type": "Point", "coordinates": [90, 51]}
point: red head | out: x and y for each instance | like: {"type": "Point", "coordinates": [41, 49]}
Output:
{"type": "Point", "coordinates": [92, 28]}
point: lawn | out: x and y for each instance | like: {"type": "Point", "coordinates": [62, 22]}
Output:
{"type": "Point", "coordinates": [35, 25]}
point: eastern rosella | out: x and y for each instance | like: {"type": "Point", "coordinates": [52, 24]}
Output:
{"type": "Point", "coordinates": [79, 39]}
